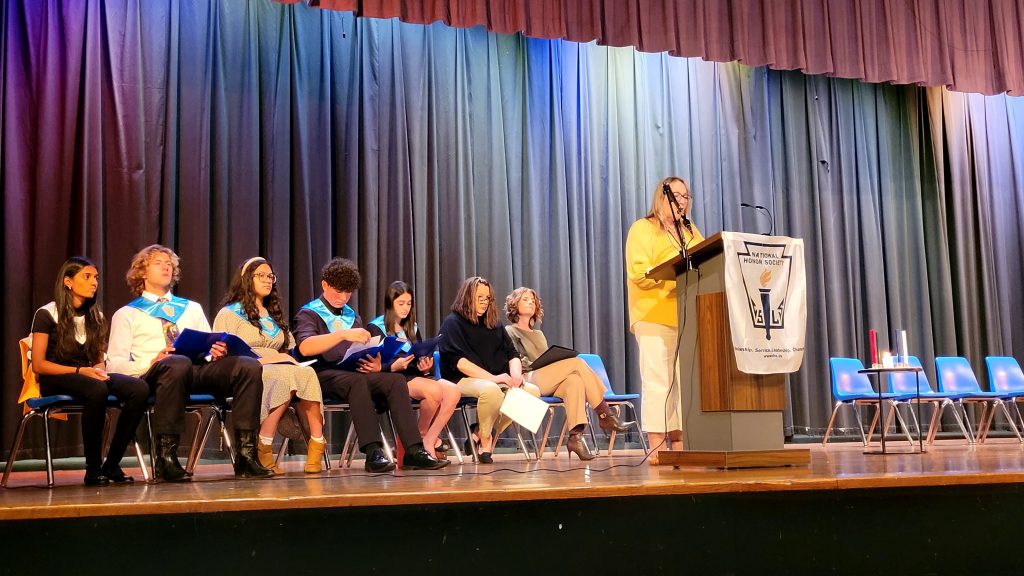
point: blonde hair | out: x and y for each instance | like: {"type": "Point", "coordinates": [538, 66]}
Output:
{"type": "Point", "coordinates": [136, 276]}
{"type": "Point", "coordinates": [661, 211]}
{"type": "Point", "coordinates": [512, 306]}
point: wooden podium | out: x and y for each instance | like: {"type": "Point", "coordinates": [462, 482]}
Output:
{"type": "Point", "coordinates": [730, 419]}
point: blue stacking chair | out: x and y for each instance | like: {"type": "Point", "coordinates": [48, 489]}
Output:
{"type": "Point", "coordinates": [850, 388]}
{"type": "Point", "coordinates": [957, 380]}
{"type": "Point", "coordinates": [1006, 379]}
{"type": "Point", "coordinates": [618, 401]}
{"type": "Point", "coordinates": [905, 383]}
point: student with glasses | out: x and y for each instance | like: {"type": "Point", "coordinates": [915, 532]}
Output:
{"type": "Point", "coordinates": [253, 312]}
{"type": "Point", "coordinates": [653, 317]}
{"type": "Point", "coordinates": [478, 355]}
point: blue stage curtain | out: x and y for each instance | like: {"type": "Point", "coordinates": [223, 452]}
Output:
{"type": "Point", "coordinates": [227, 129]}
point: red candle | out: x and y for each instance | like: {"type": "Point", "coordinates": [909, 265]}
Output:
{"type": "Point", "coordinates": [874, 348]}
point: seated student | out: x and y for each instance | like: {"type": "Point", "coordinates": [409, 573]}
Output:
{"type": "Point", "coordinates": [477, 354]}
{"type": "Point", "coordinates": [68, 338]}
{"type": "Point", "coordinates": [438, 398]}
{"type": "Point", "coordinates": [252, 311]}
{"type": "Point", "coordinates": [141, 338]}
{"type": "Point", "coordinates": [570, 379]}
{"type": "Point", "coordinates": [325, 329]}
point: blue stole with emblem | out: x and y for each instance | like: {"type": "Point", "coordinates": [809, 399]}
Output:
{"type": "Point", "coordinates": [267, 324]}
{"type": "Point", "coordinates": [406, 345]}
{"type": "Point", "coordinates": [170, 311]}
{"type": "Point", "coordinates": [334, 322]}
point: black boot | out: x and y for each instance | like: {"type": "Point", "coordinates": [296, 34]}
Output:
{"type": "Point", "coordinates": [417, 458]}
{"type": "Point", "coordinates": [247, 460]}
{"type": "Point", "coordinates": [167, 467]}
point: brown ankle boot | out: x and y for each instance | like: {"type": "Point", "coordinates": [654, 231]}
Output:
{"type": "Point", "coordinates": [608, 421]}
{"type": "Point", "coordinates": [314, 456]}
{"type": "Point", "coordinates": [266, 456]}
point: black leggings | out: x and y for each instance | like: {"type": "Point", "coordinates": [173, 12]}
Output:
{"type": "Point", "coordinates": [131, 391]}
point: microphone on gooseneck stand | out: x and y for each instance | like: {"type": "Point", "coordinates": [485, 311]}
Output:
{"type": "Point", "coordinates": [766, 212]}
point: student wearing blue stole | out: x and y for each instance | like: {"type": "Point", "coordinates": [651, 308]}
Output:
{"type": "Point", "coordinates": [141, 338]}
{"type": "Point", "coordinates": [325, 329]}
{"type": "Point", "coordinates": [253, 312]}
{"type": "Point", "coordinates": [438, 398]}
{"type": "Point", "coordinates": [68, 339]}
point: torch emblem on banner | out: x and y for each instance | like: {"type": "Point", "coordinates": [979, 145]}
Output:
{"type": "Point", "coordinates": [765, 269]}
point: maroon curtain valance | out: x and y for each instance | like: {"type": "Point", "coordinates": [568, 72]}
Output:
{"type": "Point", "coordinates": [966, 45]}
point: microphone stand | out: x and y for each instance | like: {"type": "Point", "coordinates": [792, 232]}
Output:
{"type": "Point", "coordinates": [680, 222]}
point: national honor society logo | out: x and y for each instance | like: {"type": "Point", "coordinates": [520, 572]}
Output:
{"type": "Point", "coordinates": [766, 271]}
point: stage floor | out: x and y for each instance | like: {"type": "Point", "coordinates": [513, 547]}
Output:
{"type": "Point", "coordinates": [836, 467]}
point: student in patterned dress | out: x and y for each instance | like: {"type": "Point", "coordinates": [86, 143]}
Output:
{"type": "Point", "coordinates": [252, 311]}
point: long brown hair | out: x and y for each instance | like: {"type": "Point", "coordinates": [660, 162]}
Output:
{"type": "Point", "coordinates": [95, 325]}
{"type": "Point", "coordinates": [465, 302]}
{"type": "Point", "coordinates": [242, 291]}
{"type": "Point", "coordinates": [395, 290]}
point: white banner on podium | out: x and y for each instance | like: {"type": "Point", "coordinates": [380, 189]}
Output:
{"type": "Point", "coordinates": [766, 287]}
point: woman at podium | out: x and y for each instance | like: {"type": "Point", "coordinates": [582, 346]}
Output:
{"type": "Point", "coordinates": [653, 317]}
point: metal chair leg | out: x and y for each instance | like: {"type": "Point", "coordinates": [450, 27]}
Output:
{"type": "Point", "coordinates": [16, 446]}
{"type": "Point", "coordinates": [49, 454]}
{"type": "Point", "coordinates": [455, 446]}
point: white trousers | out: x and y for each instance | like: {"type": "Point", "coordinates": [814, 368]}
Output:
{"type": "Point", "coordinates": [659, 394]}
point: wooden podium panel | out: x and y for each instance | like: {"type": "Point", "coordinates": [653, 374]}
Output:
{"type": "Point", "coordinates": [723, 387]}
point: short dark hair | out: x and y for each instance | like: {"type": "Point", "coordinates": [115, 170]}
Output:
{"type": "Point", "coordinates": [342, 275]}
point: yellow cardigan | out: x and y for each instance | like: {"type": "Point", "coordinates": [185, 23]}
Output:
{"type": "Point", "coordinates": [647, 245]}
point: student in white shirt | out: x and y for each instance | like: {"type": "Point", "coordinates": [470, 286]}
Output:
{"type": "Point", "coordinates": [141, 335]}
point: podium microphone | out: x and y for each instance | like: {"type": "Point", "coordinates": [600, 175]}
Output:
{"type": "Point", "coordinates": [766, 212]}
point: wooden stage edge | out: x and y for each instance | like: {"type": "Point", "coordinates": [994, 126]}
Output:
{"type": "Point", "coordinates": [736, 458]}
{"type": "Point", "coordinates": [511, 479]}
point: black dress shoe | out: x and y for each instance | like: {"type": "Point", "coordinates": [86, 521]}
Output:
{"type": "Point", "coordinates": [95, 478]}
{"type": "Point", "coordinates": [377, 462]}
{"type": "Point", "coordinates": [116, 475]}
{"type": "Point", "coordinates": [419, 459]}
{"type": "Point", "coordinates": [485, 458]}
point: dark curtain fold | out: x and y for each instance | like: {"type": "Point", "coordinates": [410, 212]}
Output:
{"type": "Point", "coordinates": [964, 45]}
{"type": "Point", "coordinates": [227, 129]}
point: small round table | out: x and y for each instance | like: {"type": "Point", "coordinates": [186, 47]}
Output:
{"type": "Point", "coordinates": [881, 415]}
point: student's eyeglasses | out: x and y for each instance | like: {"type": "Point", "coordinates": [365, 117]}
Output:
{"type": "Point", "coordinates": [483, 299]}
{"type": "Point", "coordinates": [263, 276]}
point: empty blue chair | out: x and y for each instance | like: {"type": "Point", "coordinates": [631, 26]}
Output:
{"type": "Point", "coordinates": [1006, 379]}
{"type": "Point", "coordinates": [619, 401]}
{"type": "Point", "coordinates": [905, 383]}
{"type": "Point", "coordinates": [850, 388]}
{"type": "Point", "coordinates": [958, 382]}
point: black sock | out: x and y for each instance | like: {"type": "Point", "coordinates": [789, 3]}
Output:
{"type": "Point", "coordinates": [371, 447]}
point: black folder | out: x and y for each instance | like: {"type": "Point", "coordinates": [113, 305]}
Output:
{"type": "Point", "coordinates": [553, 354]}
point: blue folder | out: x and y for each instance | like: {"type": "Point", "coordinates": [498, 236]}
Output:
{"type": "Point", "coordinates": [196, 344]}
{"type": "Point", "coordinates": [387, 349]}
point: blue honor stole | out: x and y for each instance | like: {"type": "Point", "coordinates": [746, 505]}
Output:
{"type": "Point", "coordinates": [334, 322]}
{"type": "Point", "coordinates": [407, 345]}
{"type": "Point", "coordinates": [170, 311]}
{"type": "Point", "coordinates": [267, 324]}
